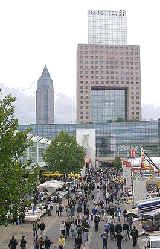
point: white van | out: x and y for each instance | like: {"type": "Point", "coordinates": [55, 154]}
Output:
{"type": "Point", "coordinates": [153, 242]}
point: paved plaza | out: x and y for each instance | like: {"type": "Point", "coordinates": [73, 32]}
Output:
{"type": "Point", "coordinates": [52, 230]}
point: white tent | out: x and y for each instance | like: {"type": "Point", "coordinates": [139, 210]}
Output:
{"type": "Point", "coordinates": [51, 186]}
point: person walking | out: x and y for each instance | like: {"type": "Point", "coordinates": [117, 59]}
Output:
{"type": "Point", "coordinates": [78, 242]}
{"type": "Point", "coordinates": [42, 227]}
{"type": "Point", "coordinates": [62, 228]}
{"type": "Point", "coordinates": [41, 243]}
{"type": "Point", "coordinates": [119, 239]}
{"type": "Point", "coordinates": [61, 242]}
{"type": "Point", "coordinates": [96, 222]}
{"type": "Point", "coordinates": [112, 235]}
{"type": "Point", "coordinates": [60, 209]}
{"type": "Point", "coordinates": [73, 229]}
{"type": "Point", "coordinates": [107, 227]}
{"type": "Point", "coordinates": [118, 214]}
{"type": "Point", "coordinates": [68, 224]}
{"type": "Point", "coordinates": [36, 242]}
{"type": "Point", "coordinates": [104, 236]}
{"type": "Point", "coordinates": [23, 243]}
{"type": "Point", "coordinates": [126, 230]}
{"type": "Point", "coordinates": [134, 234]}
{"type": "Point", "coordinates": [47, 243]}
{"type": "Point", "coordinates": [125, 214]}
{"type": "Point", "coordinates": [86, 231]}
{"type": "Point", "coordinates": [57, 210]}
{"type": "Point", "coordinates": [13, 243]}
{"type": "Point", "coordinates": [130, 222]}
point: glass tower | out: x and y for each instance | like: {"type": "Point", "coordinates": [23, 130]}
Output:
{"type": "Point", "coordinates": [107, 27]}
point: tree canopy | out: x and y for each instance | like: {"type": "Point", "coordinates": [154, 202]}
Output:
{"type": "Point", "coordinates": [117, 163]}
{"type": "Point", "coordinates": [64, 154]}
{"type": "Point", "coordinates": [13, 181]}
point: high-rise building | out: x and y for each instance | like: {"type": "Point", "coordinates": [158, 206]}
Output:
{"type": "Point", "coordinates": [108, 83]}
{"type": "Point", "coordinates": [107, 27]}
{"type": "Point", "coordinates": [45, 99]}
{"type": "Point", "coordinates": [108, 71]}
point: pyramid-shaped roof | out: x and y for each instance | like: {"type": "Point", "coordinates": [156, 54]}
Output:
{"type": "Point", "coordinates": [45, 72]}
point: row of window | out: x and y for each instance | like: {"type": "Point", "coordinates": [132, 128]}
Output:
{"type": "Point", "coordinates": [109, 72]}
{"type": "Point", "coordinates": [107, 52]}
{"type": "Point", "coordinates": [112, 81]}
{"type": "Point", "coordinates": [110, 62]}
{"type": "Point", "coordinates": [111, 58]}
{"type": "Point", "coordinates": [92, 82]}
{"type": "Point", "coordinates": [109, 67]}
{"type": "Point", "coordinates": [109, 47]}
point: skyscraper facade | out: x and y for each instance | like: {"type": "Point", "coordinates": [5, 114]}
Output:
{"type": "Point", "coordinates": [45, 99]}
{"type": "Point", "coordinates": [108, 71]}
{"type": "Point", "coordinates": [108, 83]}
{"type": "Point", "coordinates": [107, 27]}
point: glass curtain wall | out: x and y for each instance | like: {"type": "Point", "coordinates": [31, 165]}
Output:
{"type": "Point", "coordinates": [108, 105]}
{"type": "Point", "coordinates": [107, 27]}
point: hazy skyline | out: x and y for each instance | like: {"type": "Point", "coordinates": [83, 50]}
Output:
{"type": "Point", "coordinates": [65, 110]}
{"type": "Point", "coordinates": [35, 33]}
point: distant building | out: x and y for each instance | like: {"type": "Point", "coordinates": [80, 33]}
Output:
{"type": "Point", "coordinates": [107, 27]}
{"type": "Point", "coordinates": [112, 139]}
{"type": "Point", "coordinates": [108, 83]}
{"type": "Point", "coordinates": [45, 99]}
{"type": "Point", "coordinates": [108, 71]}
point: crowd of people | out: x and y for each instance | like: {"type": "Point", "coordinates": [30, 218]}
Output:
{"type": "Point", "coordinates": [90, 202]}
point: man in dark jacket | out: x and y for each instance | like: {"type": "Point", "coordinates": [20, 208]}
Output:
{"type": "Point", "coordinates": [119, 238]}
{"type": "Point", "coordinates": [118, 228]}
{"type": "Point", "coordinates": [78, 242]}
{"type": "Point", "coordinates": [47, 243]}
{"type": "Point", "coordinates": [112, 235]}
{"type": "Point", "coordinates": [134, 234]}
{"type": "Point", "coordinates": [23, 243]}
{"type": "Point", "coordinates": [42, 227]}
{"type": "Point", "coordinates": [96, 222]}
{"type": "Point", "coordinates": [126, 230]}
{"type": "Point", "coordinates": [104, 236]}
{"type": "Point", "coordinates": [13, 243]}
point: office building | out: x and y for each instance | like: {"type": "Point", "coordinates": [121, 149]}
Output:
{"type": "Point", "coordinates": [112, 139]}
{"type": "Point", "coordinates": [108, 71]}
{"type": "Point", "coordinates": [107, 27]}
{"type": "Point", "coordinates": [45, 99]}
{"type": "Point", "coordinates": [108, 83]}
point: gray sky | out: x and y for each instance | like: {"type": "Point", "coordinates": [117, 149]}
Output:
{"type": "Point", "coordinates": [34, 33]}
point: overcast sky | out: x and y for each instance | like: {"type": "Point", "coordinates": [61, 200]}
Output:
{"type": "Point", "coordinates": [34, 33]}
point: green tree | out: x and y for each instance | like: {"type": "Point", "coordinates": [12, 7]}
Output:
{"type": "Point", "coordinates": [117, 163]}
{"type": "Point", "coordinates": [64, 154]}
{"type": "Point", "coordinates": [13, 181]}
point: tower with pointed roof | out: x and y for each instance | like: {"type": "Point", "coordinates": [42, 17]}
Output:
{"type": "Point", "coordinates": [45, 99]}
